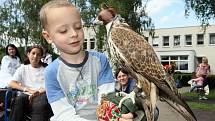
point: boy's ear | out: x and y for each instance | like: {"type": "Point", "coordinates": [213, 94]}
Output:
{"type": "Point", "coordinates": [46, 36]}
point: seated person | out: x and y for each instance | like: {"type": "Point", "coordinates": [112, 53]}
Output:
{"type": "Point", "coordinates": [124, 82]}
{"type": "Point", "coordinates": [197, 82]}
{"type": "Point", "coordinates": [29, 78]}
{"type": "Point", "coordinates": [10, 62]}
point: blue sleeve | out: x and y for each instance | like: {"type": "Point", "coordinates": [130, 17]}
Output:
{"type": "Point", "coordinates": [53, 89]}
{"type": "Point", "coordinates": [105, 75]}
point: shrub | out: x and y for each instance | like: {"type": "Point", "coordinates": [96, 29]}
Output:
{"type": "Point", "coordinates": [185, 77]}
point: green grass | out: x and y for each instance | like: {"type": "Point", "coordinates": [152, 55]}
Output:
{"type": "Point", "coordinates": [194, 94]}
{"type": "Point", "coordinates": [201, 105]}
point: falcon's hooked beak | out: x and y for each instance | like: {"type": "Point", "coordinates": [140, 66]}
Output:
{"type": "Point", "coordinates": [97, 21]}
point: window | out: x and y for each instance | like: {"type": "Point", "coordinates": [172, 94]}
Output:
{"type": "Point", "coordinates": [181, 61]}
{"type": "Point", "coordinates": [177, 40]}
{"type": "Point", "coordinates": [183, 65]}
{"type": "Point", "coordinates": [165, 40]}
{"type": "Point", "coordinates": [92, 43]}
{"type": "Point", "coordinates": [212, 38]}
{"type": "Point", "coordinates": [155, 42]}
{"type": "Point", "coordinates": [188, 39]}
{"type": "Point", "coordinates": [200, 39]}
{"type": "Point", "coordinates": [85, 44]}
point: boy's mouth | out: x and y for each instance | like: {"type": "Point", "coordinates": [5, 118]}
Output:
{"type": "Point", "coordinates": [75, 43]}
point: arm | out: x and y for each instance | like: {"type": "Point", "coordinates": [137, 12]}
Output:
{"type": "Point", "coordinates": [16, 82]}
{"type": "Point", "coordinates": [197, 69]}
{"type": "Point", "coordinates": [195, 80]}
{"type": "Point", "coordinates": [106, 82]}
{"type": "Point", "coordinates": [63, 111]}
{"type": "Point", "coordinates": [16, 85]}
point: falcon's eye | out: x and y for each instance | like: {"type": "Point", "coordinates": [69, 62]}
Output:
{"type": "Point", "coordinates": [100, 18]}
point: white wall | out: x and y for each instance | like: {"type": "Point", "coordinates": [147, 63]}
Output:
{"type": "Point", "coordinates": [207, 49]}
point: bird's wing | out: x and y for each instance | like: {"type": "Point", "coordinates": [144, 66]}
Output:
{"type": "Point", "coordinates": [137, 54]}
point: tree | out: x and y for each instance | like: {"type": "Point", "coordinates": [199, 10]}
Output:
{"type": "Point", "coordinates": [133, 11]}
{"type": "Point", "coordinates": [204, 10]}
{"type": "Point", "coordinates": [20, 21]}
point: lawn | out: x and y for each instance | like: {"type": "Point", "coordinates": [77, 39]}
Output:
{"type": "Point", "coordinates": [194, 95]}
{"type": "Point", "coordinates": [203, 105]}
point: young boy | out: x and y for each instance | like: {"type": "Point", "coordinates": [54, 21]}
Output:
{"type": "Point", "coordinates": [76, 80]}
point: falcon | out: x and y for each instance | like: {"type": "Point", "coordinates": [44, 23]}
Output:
{"type": "Point", "coordinates": [131, 51]}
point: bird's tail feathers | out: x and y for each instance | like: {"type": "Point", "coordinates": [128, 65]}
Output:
{"type": "Point", "coordinates": [179, 105]}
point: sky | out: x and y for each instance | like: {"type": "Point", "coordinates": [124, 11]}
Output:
{"type": "Point", "coordinates": [168, 14]}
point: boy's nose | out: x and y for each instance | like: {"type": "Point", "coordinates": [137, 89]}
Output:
{"type": "Point", "coordinates": [73, 33]}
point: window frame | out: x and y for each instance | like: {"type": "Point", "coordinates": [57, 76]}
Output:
{"type": "Point", "coordinates": [85, 44]}
{"type": "Point", "coordinates": [167, 59]}
{"type": "Point", "coordinates": [176, 40]}
{"type": "Point", "coordinates": [188, 41]}
{"type": "Point", "coordinates": [166, 41]}
{"type": "Point", "coordinates": [92, 43]}
{"type": "Point", "coordinates": [200, 40]}
{"type": "Point", "coordinates": [155, 41]}
{"type": "Point", "coordinates": [212, 34]}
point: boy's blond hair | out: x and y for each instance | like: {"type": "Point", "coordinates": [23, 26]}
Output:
{"type": "Point", "coordinates": [52, 4]}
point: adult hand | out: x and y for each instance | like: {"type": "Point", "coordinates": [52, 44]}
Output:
{"type": "Point", "coordinates": [33, 94]}
{"type": "Point", "coordinates": [127, 117]}
{"type": "Point", "coordinates": [41, 90]}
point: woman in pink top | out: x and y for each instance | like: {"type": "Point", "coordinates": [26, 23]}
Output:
{"type": "Point", "coordinates": [203, 69]}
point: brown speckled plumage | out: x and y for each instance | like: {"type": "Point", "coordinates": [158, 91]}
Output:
{"type": "Point", "coordinates": [133, 52]}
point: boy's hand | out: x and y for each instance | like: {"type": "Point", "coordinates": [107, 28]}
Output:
{"type": "Point", "coordinates": [127, 117]}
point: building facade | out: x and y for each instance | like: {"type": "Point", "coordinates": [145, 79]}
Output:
{"type": "Point", "coordinates": [184, 45]}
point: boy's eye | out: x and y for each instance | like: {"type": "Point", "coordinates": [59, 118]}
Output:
{"type": "Point", "coordinates": [78, 27]}
{"type": "Point", "coordinates": [62, 30]}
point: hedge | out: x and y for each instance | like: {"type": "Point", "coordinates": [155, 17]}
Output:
{"type": "Point", "coordinates": [185, 77]}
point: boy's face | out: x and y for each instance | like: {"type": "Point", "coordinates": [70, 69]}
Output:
{"type": "Point", "coordinates": [64, 29]}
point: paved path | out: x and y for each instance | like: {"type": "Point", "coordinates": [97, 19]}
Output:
{"type": "Point", "coordinates": [167, 113]}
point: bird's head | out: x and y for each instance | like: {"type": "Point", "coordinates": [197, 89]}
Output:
{"type": "Point", "coordinates": [107, 14]}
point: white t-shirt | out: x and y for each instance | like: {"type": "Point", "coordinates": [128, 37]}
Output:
{"type": "Point", "coordinates": [9, 64]}
{"type": "Point", "coordinates": [30, 76]}
{"type": "Point", "coordinates": [8, 68]}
